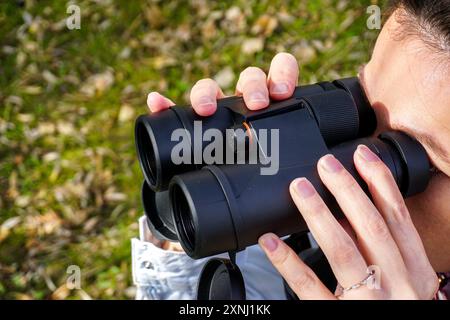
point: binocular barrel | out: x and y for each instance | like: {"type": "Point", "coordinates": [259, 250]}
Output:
{"type": "Point", "coordinates": [227, 208]}
{"type": "Point", "coordinates": [213, 209]}
{"type": "Point", "coordinates": [339, 107]}
{"type": "Point", "coordinates": [157, 208]}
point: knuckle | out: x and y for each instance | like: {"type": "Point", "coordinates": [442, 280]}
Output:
{"type": "Point", "coordinates": [282, 257]}
{"type": "Point", "coordinates": [303, 281]}
{"type": "Point", "coordinates": [347, 182]}
{"type": "Point", "coordinates": [344, 253]}
{"type": "Point", "coordinates": [284, 65]}
{"type": "Point", "coordinates": [383, 172]}
{"type": "Point", "coordinates": [378, 172]}
{"type": "Point", "coordinates": [408, 291]}
{"type": "Point", "coordinates": [316, 207]}
{"type": "Point", "coordinates": [376, 227]}
{"type": "Point", "coordinates": [285, 73]}
{"type": "Point", "coordinates": [410, 294]}
{"type": "Point", "coordinates": [252, 73]}
{"type": "Point", "coordinates": [433, 286]}
{"type": "Point", "coordinates": [285, 56]}
{"type": "Point", "coordinates": [415, 296]}
{"type": "Point", "coordinates": [430, 285]}
{"type": "Point", "coordinates": [286, 61]}
{"type": "Point", "coordinates": [399, 211]}
{"type": "Point", "coordinates": [253, 84]}
{"type": "Point", "coordinates": [205, 82]}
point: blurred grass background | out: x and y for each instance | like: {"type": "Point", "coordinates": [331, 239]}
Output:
{"type": "Point", "coordinates": [69, 178]}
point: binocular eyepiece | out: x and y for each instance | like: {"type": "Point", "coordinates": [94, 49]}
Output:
{"type": "Point", "coordinates": [225, 206]}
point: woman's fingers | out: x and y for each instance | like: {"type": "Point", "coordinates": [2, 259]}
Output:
{"type": "Point", "coordinates": [297, 274]}
{"type": "Point", "coordinates": [252, 85]}
{"type": "Point", "coordinates": [157, 102]}
{"type": "Point", "coordinates": [283, 76]}
{"type": "Point", "coordinates": [256, 87]}
{"type": "Point", "coordinates": [204, 95]}
{"type": "Point", "coordinates": [346, 261]}
{"type": "Point", "coordinates": [374, 237]}
{"type": "Point", "coordinates": [390, 203]}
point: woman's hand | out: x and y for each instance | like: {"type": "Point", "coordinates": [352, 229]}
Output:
{"type": "Point", "coordinates": [253, 85]}
{"type": "Point", "coordinates": [380, 235]}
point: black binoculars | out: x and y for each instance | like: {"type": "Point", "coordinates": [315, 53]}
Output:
{"type": "Point", "coordinates": [212, 208]}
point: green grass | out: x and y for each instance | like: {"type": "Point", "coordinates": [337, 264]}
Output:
{"type": "Point", "coordinates": [63, 152]}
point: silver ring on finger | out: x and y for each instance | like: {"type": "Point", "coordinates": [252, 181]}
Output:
{"type": "Point", "coordinates": [340, 291]}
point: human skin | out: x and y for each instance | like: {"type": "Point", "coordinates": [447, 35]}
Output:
{"type": "Point", "coordinates": [408, 86]}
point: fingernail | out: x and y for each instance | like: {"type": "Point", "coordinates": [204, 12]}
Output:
{"type": "Point", "coordinates": [151, 100]}
{"type": "Point", "coordinates": [280, 88]}
{"type": "Point", "coordinates": [367, 154]}
{"type": "Point", "coordinates": [269, 242]}
{"type": "Point", "coordinates": [303, 188]}
{"type": "Point", "coordinates": [257, 97]}
{"type": "Point", "coordinates": [151, 96]}
{"type": "Point", "coordinates": [205, 102]}
{"type": "Point", "coordinates": [331, 164]}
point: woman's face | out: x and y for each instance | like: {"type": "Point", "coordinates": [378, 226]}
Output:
{"type": "Point", "coordinates": [408, 85]}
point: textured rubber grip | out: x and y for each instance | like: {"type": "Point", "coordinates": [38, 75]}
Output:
{"type": "Point", "coordinates": [336, 115]}
{"type": "Point", "coordinates": [367, 118]}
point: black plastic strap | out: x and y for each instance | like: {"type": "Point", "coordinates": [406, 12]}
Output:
{"type": "Point", "coordinates": [232, 255]}
{"type": "Point", "coordinates": [236, 217]}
